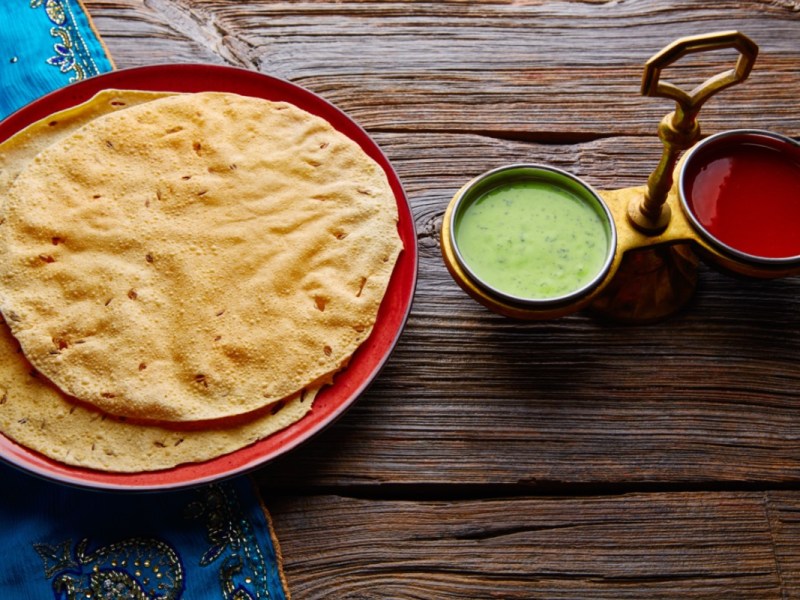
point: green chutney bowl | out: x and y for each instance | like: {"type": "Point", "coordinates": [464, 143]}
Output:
{"type": "Point", "coordinates": [528, 241]}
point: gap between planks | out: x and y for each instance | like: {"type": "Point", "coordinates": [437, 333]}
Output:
{"type": "Point", "coordinates": [436, 492]}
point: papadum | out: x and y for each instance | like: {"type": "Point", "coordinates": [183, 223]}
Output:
{"type": "Point", "coordinates": [196, 257]}
{"type": "Point", "coordinates": [37, 415]}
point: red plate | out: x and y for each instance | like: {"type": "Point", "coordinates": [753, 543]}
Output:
{"type": "Point", "coordinates": [365, 363]}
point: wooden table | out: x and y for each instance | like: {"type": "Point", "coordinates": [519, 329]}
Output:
{"type": "Point", "coordinates": [570, 458]}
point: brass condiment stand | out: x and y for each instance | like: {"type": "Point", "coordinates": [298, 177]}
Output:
{"type": "Point", "coordinates": [654, 269]}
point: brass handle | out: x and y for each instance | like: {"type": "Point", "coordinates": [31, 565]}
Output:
{"type": "Point", "coordinates": [689, 103]}
{"type": "Point", "coordinates": [679, 130]}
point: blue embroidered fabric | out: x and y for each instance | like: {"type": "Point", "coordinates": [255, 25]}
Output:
{"type": "Point", "coordinates": [197, 544]}
{"type": "Point", "coordinates": [212, 542]}
{"type": "Point", "coordinates": [44, 45]}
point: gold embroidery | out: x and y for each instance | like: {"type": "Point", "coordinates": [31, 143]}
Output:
{"type": "Point", "coordinates": [65, 55]}
{"type": "Point", "coordinates": [56, 12]}
{"type": "Point", "coordinates": [104, 574]}
{"type": "Point", "coordinates": [56, 558]}
{"type": "Point", "coordinates": [71, 52]}
{"type": "Point", "coordinates": [242, 566]}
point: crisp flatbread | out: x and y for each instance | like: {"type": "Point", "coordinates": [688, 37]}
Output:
{"type": "Point", "coordinates": [18, 150]}
{"type": "Point", "coordinates": [196, 257]}
{"type": "Point", "coordinates": [35, 414]}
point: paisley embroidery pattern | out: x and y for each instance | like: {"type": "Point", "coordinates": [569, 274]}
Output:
{"type": "Point", "coordinates": [134, 569]}
{"type": "Point", "coordinates": [225, 546]}
{"type": "Point", "coordinates": [234, 548]}
{"type": "Point", "coordinates": [71, 51]}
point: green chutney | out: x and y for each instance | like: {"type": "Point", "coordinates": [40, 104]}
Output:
{"type": "Point", "coordinates": [533, 239]}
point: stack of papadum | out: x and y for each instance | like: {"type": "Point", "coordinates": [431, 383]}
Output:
{"type": "Point", "coordinates": [180, 274]}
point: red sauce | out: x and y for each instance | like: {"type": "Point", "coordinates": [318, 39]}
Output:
{"type": "Point", "coordinates": [747, 196]}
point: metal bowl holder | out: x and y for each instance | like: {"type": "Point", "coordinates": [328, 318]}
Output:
{"type": "Point", "coordinates": [654, 270]}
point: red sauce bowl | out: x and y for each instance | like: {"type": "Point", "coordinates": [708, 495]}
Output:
{"type": "Point", "coordinates": [741, 191]}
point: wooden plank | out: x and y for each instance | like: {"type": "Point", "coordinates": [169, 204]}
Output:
{"type": "Point", "coordinates": [783, 512]}
{"type": "Point", "coordinates": [541, 70]}
{"type": "Point", "coordinates": [570, 402]}
{"type": "Point", "coordinates": [687, 545]}
{"type": "Point", "coordinates": [137, 35]}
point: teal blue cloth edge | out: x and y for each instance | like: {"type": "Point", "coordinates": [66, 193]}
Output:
{"type": "Point", "coordinates": [51, 44]}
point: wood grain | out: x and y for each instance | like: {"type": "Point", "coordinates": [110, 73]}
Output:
{"type": "Point", "coordinates": [711, 545]}
{"type": "Point", "coordinates": [571, 458]}
{"type": "Point", "coordinates": [541, 70]}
